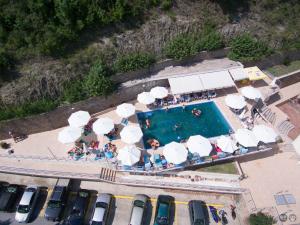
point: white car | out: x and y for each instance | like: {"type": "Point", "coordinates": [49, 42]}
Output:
{"type": "Point", "coordinates": [27, 203]}
{"type": "Point", "coordinates": [101, 209]}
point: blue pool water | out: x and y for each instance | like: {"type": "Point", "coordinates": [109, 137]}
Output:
{"type": "Point", "coordinates": [211, 123]}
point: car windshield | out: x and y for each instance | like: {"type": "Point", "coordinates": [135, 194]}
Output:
{"type": "Point", "coordinates": [162, 220]}
{"type": "Point", "coordinates": [23, 209]}
{"type": "Point", "coordinates": [54, 204]}
{"type": "Point", "coordinates": [11, 189]}
{"type": "Point", "coordinates": [75, 211]}
{"type": "Point", "coordinates": [83, 194]}
{"type": "Point", "coordinates": [101, 205]}
{"type": "Point", "coordinates": [138, 203]}
{"type": "Point", "coordinates": [199, 222]}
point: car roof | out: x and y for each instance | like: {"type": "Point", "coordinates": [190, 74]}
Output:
{"type": "Point", "coordinates": [27, 195]}
{"type": "Point", "coordinates": [104, 197]}
{"type": "Point", "coordinates": [137, 215]}
{"type": "Point", "coordinates": [98, 214]}
{"type": "Point", "coordinates": [140, 197]}
{"type": "Point", "coordinates": [198, 209]}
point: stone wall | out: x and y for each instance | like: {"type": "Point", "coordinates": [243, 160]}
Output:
{"type": "Point", "coordinates": [289, 79]}
{"type": "Point", "coordinates": [58, 117]}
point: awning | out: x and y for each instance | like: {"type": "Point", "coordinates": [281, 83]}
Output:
{"type": "Point", "coordinates": [216, 80]}
{"type": "Point", "coordinates": [238, 74]}
{"type": "Point", "coordinates": [186, 84]}
{"type": "Point", "coordinates": [201, 82]}
{"type": "Point", "coordinates": [254, 73]}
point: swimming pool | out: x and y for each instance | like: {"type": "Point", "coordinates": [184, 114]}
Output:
{"type": "Point", "coordinates": [178, 123]}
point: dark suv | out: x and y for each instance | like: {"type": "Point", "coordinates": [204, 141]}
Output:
{"type": "Point", "coordinates": [77, 213]}
{"type": "Point", "coordinates": [163, 210]}
{"type": "Point", "coordinates": [198, 212]}
{"type": "Point", "coordinates": [56, 203]}
{"type": "Point", "coordinates": [8, 197]}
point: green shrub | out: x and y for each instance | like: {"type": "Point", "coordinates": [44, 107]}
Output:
{"type": "Point", "coordinates": [74, 91]}
{"type": "Point", "coordinates": [5, 60]}
{"type": "Point", "coordinates": [27, 109]}
{"type": "Point", "coordinates": [261, 219]}
{"type": "Point", "coordinates": [133, 61]}
{"type": "Point", "coordinates": [98, 82]}
{"type": "Point", "coordinates": [181, 47]}
{"type": "Point", "coordinates": [186, 45]}
{"type": "Point", "coordinates": [166, 4]}
{"type": "Point", "coordinates": [4, 145]}
{"type": "Point", "coordinates": [245, 48]}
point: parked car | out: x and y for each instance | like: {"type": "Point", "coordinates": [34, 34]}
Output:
{"type": "Point", "coordinates": [27, 204]}
{"type": "Point", "coordinates": [138, 210]}
{"type": "Point", "coordinates": [56, 203]}
{"type": "Point", "coordinates": [198, 212]}
{"type": "Point", "coordinates": [101, 209]}
{"type": "Point", "coordinates": [8, 196]}
{"type": "Point", "coordinates": [77, 213]}
{"type": "Point", "coordinates": [163, 210]}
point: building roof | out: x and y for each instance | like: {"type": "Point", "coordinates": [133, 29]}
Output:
{"type": "Point", "coordinates": [238, 74]}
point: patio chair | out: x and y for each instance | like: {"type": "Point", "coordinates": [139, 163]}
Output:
{"type": "Point", "coordinates": [124, 122]}
{"type": "Point", "coordinates": [212, 94]}
{"type": "Point", "coordinates": [157, 160]}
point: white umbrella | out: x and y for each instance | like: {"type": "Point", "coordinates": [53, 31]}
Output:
{"type": "Point", "coordinates": [131, 134]}
{"type": "Point", "coordinates": [79, 119]}
{"type": "Point", "coordinates": [264, 134]}
{"type": "Point", "coordinates": [199, 144]}
{"type": "Point", "coordinates": [103, 126]}
{"type": "Point", "coordinates": [246, 138]}
{"type": "Point", "coordinates": [125, 110]}
{"type": "Point", "coordinates": [69, 135]}
{"type": "Point", "coordinates": [226, 144]}
{"type": "Point", "coordinates": [129, 155]}
{"type": "Point", "coordinates": [145, 98]}
{"type": "Point", "coordinates": [175, 152]}
{"type": "Point", "coordinates": [235, 101]}
{"type": "Point", "coordinates": [251, 92]}
{"type": "Point", "coordinates": [159, 92]}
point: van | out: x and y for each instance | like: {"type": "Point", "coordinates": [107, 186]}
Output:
{"type": "Point", "coordinates": [198, 212]}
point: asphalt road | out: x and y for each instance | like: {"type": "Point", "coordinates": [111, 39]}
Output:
{"type": "Point", "coordinates": [123, 199]}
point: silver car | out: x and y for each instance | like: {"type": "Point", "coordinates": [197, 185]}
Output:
{"type": "Point", "coordinates": [101, 209]}
{"type": "Point", "coordinates": [138, 211]}
{"type": "Point", "coordinates": [27, 204]}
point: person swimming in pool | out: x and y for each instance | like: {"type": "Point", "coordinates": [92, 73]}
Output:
{"type": "Point", "coordinates": [148, 124]}
{"type": "Point", "coordinates": [176, 126]}
{"type": "Point", "coordinates": [196, 112]}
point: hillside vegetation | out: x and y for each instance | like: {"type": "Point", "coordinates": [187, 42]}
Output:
{"type": "Point", "coordinates": [50, 49]}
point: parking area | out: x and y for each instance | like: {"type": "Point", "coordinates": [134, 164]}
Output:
{"type": "Point", "coordinates": [123, 196]}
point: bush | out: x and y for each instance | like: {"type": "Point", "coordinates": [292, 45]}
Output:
{"type": "Point", "coordinates": [133, 61]}
{"type": "Point", "coordinates": [5, 60]}
{"type": "Point", "coordinates": [74, 91]}
{"type": "Point", "coordinates": [261, 219]}
{"type": "Point", "coordinates": [245, 48]}
{"type": "Point", "coordinates": [98, 82]}
{"type": "Point", "coordinates": [4, 145]}
{"type": "Point", "coordinates": [186, 45]}
{"type": "Point", "coordinates": [166, 4]}
{"type": "Point", "coordinates": [27, 109]}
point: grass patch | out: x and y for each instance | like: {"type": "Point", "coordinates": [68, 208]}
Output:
{"type": "Point", "coordinates": [280, 70]}
{"type": "Point", "coordinates": [220, 168]}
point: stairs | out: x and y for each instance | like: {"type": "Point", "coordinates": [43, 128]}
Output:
{"type": "Point", "coordinates": [268, 114]}
{"type": "Point", "coordinates": [285, 127]}
{"type": "Point", "coordinates": [107, 174]}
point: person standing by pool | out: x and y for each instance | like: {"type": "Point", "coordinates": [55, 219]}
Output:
{"type": "Point", "coordinates": [183, 106]}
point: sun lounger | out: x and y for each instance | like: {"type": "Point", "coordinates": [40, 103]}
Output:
{"type": "Point", "coordinates": [124, 122]}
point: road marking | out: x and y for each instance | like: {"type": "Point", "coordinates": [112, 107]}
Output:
{"type": "Point", "coordinates": [176, 202]}
{"type": "Point", "coordinates": [175, 217]}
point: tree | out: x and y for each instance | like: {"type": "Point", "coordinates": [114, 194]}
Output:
{"type": "Point", "coordinates": [261, 219]}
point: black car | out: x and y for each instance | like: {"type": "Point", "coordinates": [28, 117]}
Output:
{"type": "Point", "coordinates": [77, 213]}
{"type": "Point", "coordinates": [56, 203]}
{"type": "Point", "coordinates": [163, 210]}
{"type": "Point", "coordinates": [198, 212]}
{"type": "Point", "coordinates": [8, 197]}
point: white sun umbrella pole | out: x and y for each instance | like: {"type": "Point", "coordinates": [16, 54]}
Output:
{"type": "Point", "coordinates": [79, 119]}
{"type": "Point", "coordinates": [103, 126]}
{"type": "Point", "coordinates": [145, 98]}
{"type": "Point", "coordinates": [129, 155]}
{"type": "Point", "coordinates": [159, 92]}
{"type": "Point", "coordinates": [125, 110]}
{"type": "Point", "coordinates": [251, 92]}
{"type": "Point", "coordinates": [69, 135]}
{"type": "Point", "coordinates": [246, 138]}
{"type": "Point", "coordinates": [175, 153]}
{"type": "Point", "coordinates": [235, 101]}
{"type": "Point", "coordinates": [131, 134]}
{"type": "Point", "coordinates": [199, 144]}
{"type": "Point", "coordinates": [265, 134]}
{"type": "Point", "coordinates": [226, 144]}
